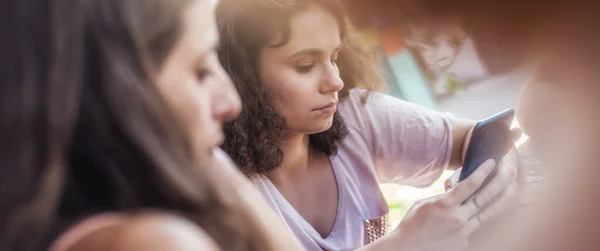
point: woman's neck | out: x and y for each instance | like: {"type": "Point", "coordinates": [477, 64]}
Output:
{"type": "Point", "coordinates": [296, 153]}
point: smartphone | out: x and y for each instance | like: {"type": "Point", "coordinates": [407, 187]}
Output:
{"type": "Point", "coordinates": [490, 139]}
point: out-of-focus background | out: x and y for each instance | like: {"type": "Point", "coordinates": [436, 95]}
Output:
{"type": "Point", "coordinates": [444, 73]}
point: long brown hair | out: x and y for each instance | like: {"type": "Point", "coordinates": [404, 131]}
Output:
{"type": "Point", "coordinates": [84, 130]}
{"type": "Point", "coordinates": [255, 138]}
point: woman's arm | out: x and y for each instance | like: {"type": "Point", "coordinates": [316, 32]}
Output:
{"type": "Point", "coordinates": [409, 144]}
{"type": "Point", "coordinates": [461, 133]}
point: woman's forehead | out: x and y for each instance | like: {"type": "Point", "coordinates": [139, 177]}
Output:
{"type": "Point", "coordinates": [311, 29]}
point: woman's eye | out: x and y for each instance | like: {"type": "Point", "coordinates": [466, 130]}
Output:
{"type": "Point", "coordinates": [305, 68]}
{"type": "Point", "coordinates": [204, 74]}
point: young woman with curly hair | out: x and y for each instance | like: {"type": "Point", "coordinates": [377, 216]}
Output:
{"type": "Point", "coordinates": [317, 142]}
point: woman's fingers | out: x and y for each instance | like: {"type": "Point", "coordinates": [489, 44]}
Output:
{"type": "Point", "coordinates": [472, 225]}
{"type": "Point", "coordinates": [479, 215]}
{"type": "Point", "coordinates": [505, 176]}
{"type": "Point", "coordinates": [452, 180]}
{"type": "Point", "coordinates": [497, 207]}
{"type": "Point", "coordinates": [463, 190]}
{"type": "Point", "coordinates": [515, 134]}
{"type": "Point", "coordinates": [470, 209]}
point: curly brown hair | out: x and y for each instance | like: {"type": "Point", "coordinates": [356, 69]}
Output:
{"type": "Point", "coordinates": [255, 138]}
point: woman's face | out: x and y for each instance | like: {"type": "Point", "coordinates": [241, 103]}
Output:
{"type": "Point", "coordinates": [301, 76]}
{"type": "Point", "coordinates": [194, 82]}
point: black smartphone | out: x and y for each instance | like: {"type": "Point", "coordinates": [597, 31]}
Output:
{"type": "Point", "coordinates": [490, 139]}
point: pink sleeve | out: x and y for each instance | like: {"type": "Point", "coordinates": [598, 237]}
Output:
{"type": "Point", "coordinates": [409, 144]}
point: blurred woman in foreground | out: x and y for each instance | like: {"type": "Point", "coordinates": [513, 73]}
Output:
{"type": "Point", "coordinates": [111, 116]}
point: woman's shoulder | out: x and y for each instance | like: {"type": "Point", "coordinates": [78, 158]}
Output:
{"type": "Point", "coordinates": [143, 231]}
{"type": "Point", "coordinates": [362, 109]}
{"type": "Point", "coordinates": [356, 96]}
{"type": "Point", "coordinates": [366, 99]}
{"type": "Point", "coordinates": [374, 108]}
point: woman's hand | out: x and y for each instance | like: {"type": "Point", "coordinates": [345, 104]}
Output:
{"type": "Point", "coordinates": [446, 221]}
{"type": "Point", "coordinates": [505, 184]}
{"type": "Point", "coordinates": [507, 179]}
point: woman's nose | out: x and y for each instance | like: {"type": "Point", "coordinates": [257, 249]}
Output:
{"type": "Point", "coordinates": [332, 82]}
{"type": "Point", "coordinates": [227, 104]}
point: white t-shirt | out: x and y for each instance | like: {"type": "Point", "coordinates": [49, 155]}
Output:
{"type": "Point", "coordinates": [389, 140]}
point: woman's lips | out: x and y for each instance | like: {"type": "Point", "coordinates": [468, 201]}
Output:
{"type": "Point", "coordinates": [327, 109]}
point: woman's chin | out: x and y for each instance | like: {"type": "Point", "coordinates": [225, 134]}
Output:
{"type": "Point", "coordinates": [317, 130]}
{"type": "Point", "coordinates": [312, 126]}
{"type": "Point", "coordinates": [323, 125]}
